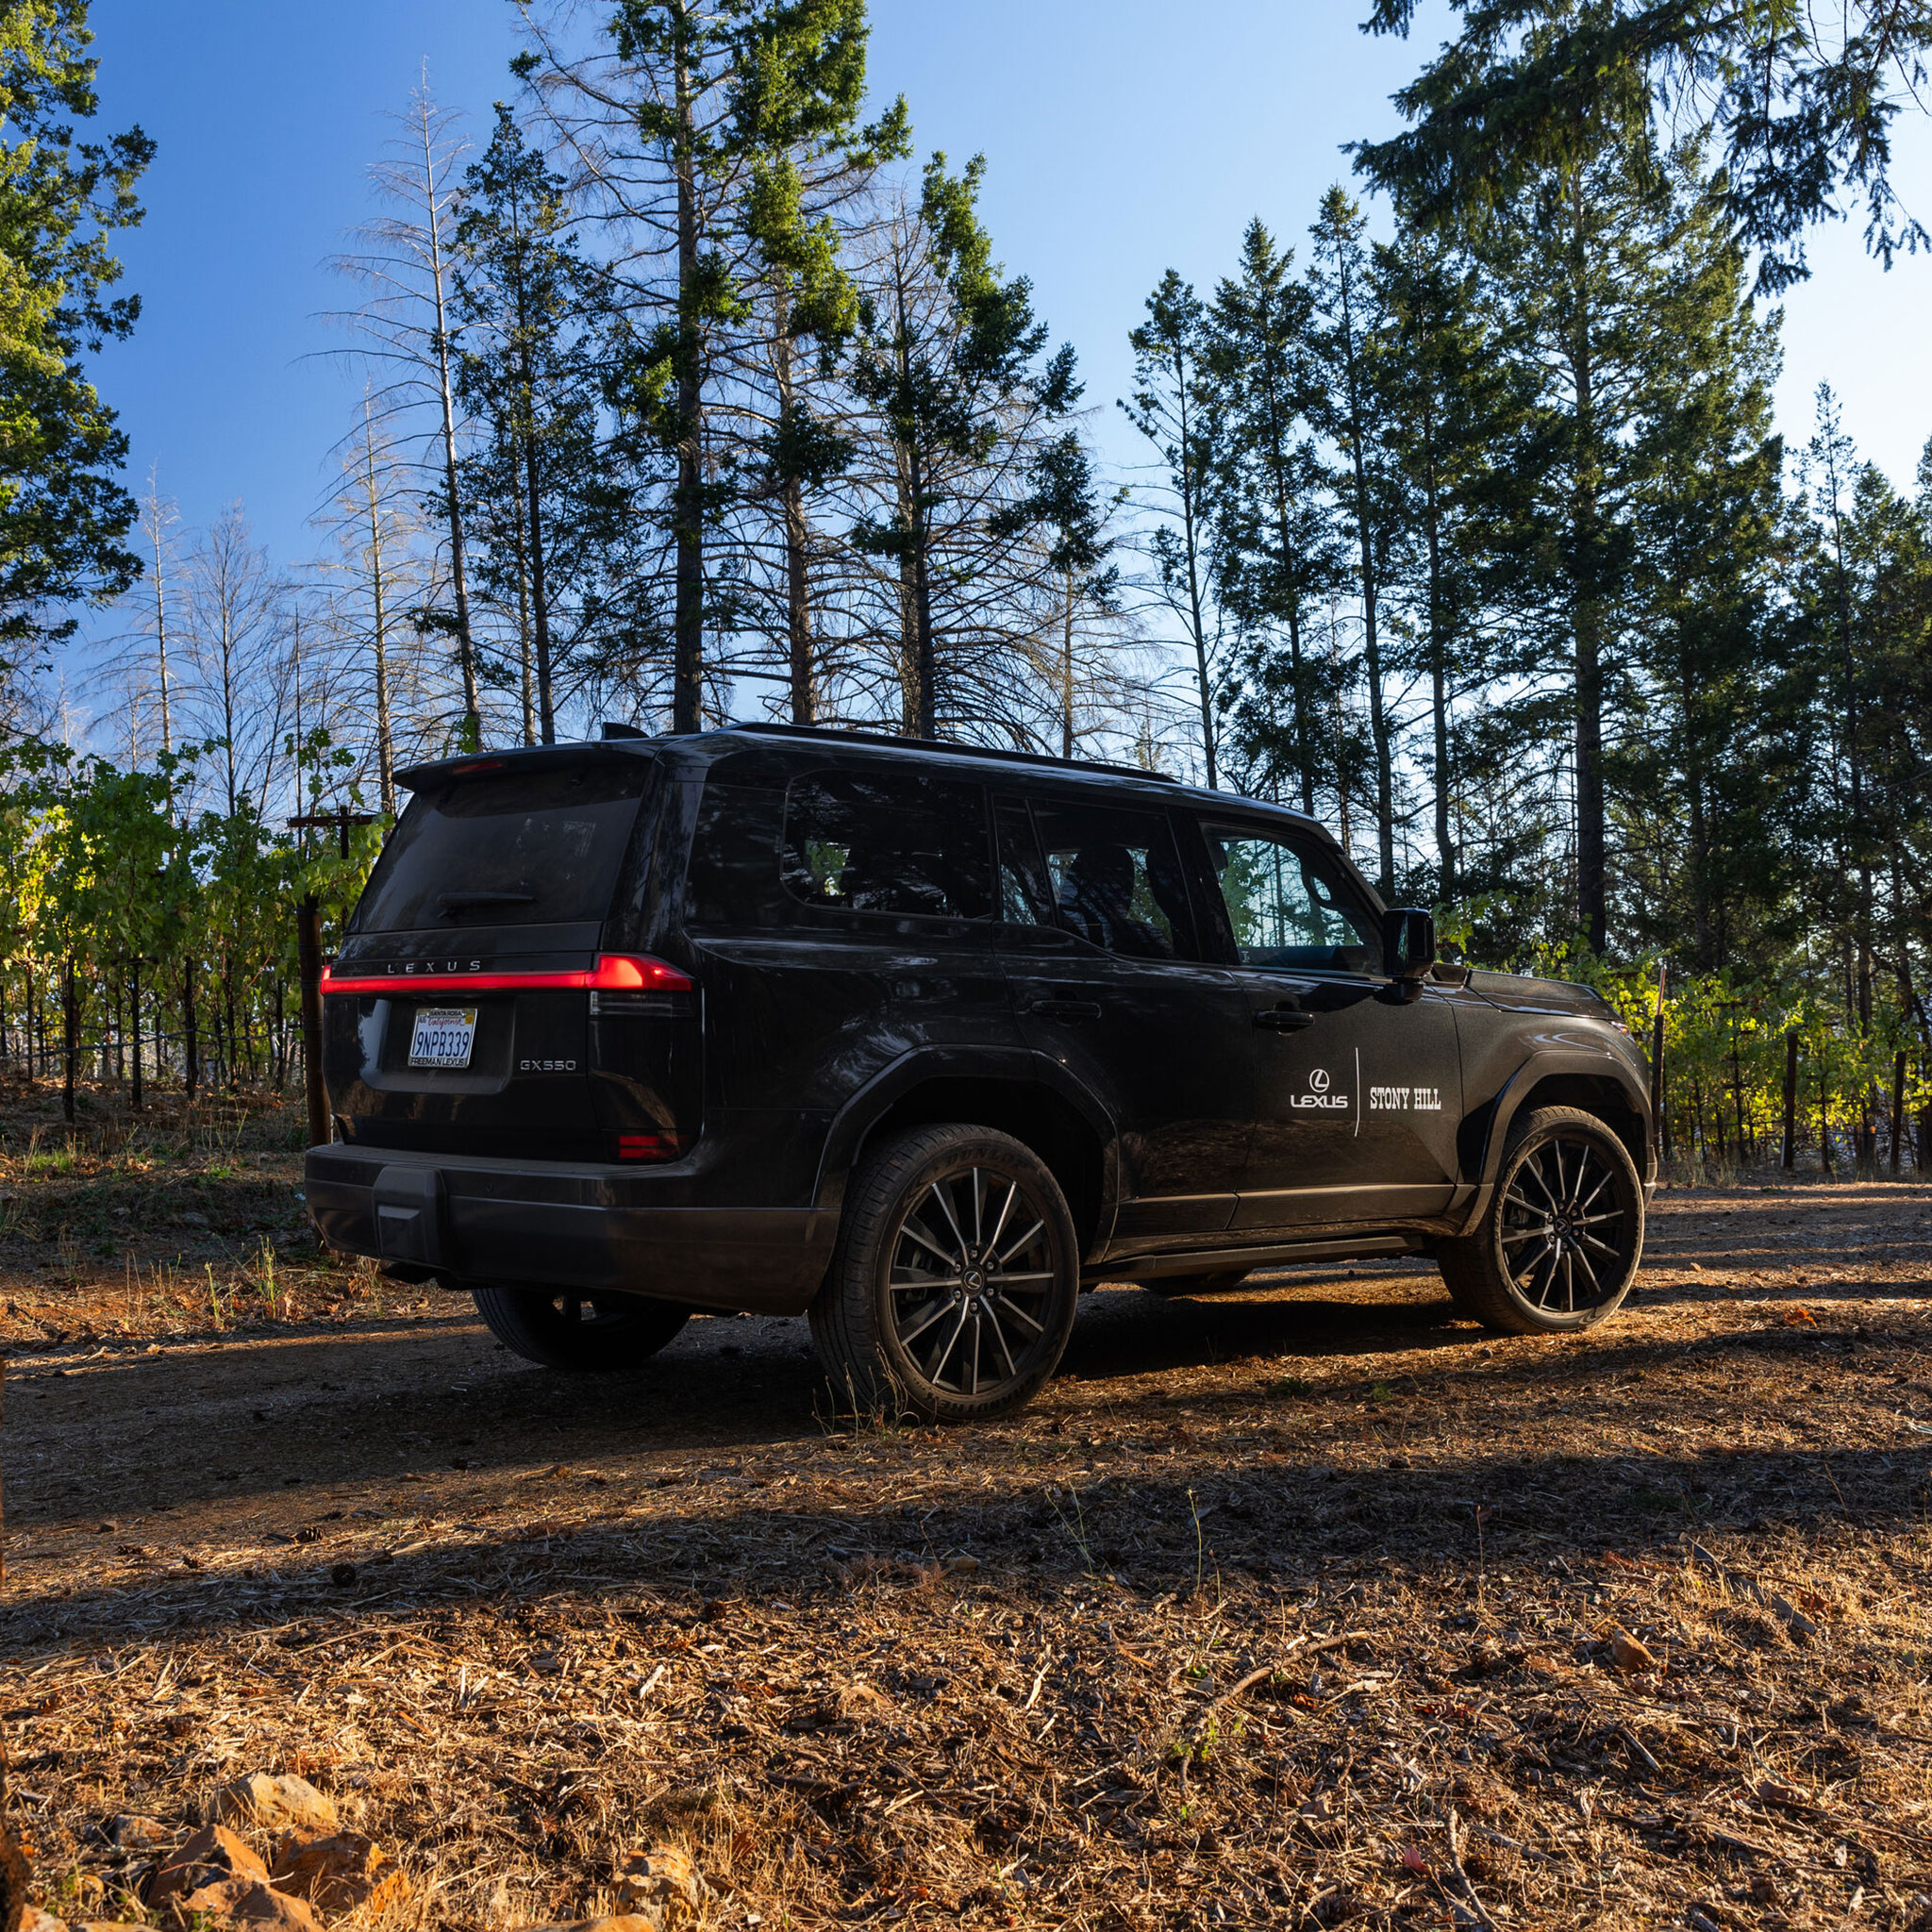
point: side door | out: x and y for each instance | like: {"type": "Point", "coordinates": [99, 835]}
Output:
{"type": "Point", "coordinates": [1357, 1086]}
{"type": "Point", "coordinates": [1098, 940]}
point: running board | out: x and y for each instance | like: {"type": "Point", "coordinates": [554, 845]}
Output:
{"type": "Point", "coordinates": [1227, 1260]}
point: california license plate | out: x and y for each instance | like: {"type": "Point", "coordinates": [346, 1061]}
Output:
{"type": "Point", "coordinates": [443, 1037]}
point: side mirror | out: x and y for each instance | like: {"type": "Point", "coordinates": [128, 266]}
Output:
{"type": "Point", "coordinates": [1408, 947]}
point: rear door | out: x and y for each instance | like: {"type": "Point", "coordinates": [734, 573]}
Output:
{"type": "Point", "coordinates": [1099, 945]}
{"type": "Point", "coordinates": [468, 1011]}
{"type": "Point", "coordinates": [1358, 1092]}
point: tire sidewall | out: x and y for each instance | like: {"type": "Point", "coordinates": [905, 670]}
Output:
{"type": "Point", "coordinates": [1014, 1160]}
{"type": "Point", "coordinates": [1538, 1131]}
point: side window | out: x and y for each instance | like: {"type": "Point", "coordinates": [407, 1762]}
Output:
{"type": "Point", "coordinates": [1116, 878]}
{"type": "Point", "coordinates": [1025, 893]}
{"type": "Point", "coordinates": [888, 842]}
{"type": "Point", "coordinates": [1290, 904]}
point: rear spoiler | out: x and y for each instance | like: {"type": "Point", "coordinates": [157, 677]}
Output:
{"type": "Point", "coordinates": [525, 758]}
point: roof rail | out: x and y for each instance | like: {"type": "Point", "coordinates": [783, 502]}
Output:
{"type": "Point", "coordinates": [842, 734]}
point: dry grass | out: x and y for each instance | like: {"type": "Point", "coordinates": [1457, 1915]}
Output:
{"type": "Point", "coordinates": [1294, 1608]}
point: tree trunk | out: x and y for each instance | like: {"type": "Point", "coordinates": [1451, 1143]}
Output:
{"type": "Point", "coordinates": [1371, 636]}
{"type": "Point", "coordinates": [191, 1044]}
{"type": "Point", "coordinates": [466, 654]}
{"type": "Point", "coordinates": [70, 1042]}
{"type": "Point", "coordinates": [798, 650]}
{"type": "Point", "coordinates": [1438, 676]}
{"type": "Point", "coordinates": [1587, 615]}
{"type": "Point", "coordinates": [688, 620]}
{"type": "Point", "coordinates": [378, 589]}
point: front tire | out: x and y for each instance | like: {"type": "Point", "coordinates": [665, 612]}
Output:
{"type": "Point", "coordinates": [953, 1287]}
{"type": "Point", "coordinates": [562, 1328]}
{"type": "Point", "coordinates": [1558, 1245]}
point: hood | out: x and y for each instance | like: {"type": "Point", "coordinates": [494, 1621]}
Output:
{"type": "Point", "coordinates": [1519, 992]}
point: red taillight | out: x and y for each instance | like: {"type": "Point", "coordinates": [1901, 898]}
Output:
{"type": "Point", "coordinates": [630, 973]}
{"type": "Point", "coordinates": [613, 972]}
{"type": "Point", "coordinates": [647, 1147]}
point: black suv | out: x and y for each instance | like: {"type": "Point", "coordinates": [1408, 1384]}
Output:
{"type": "Point", "coordinates": [919, 1041]}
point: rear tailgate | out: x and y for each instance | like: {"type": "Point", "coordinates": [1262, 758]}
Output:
{"type": "Point", "coordinates": [481, 1004]}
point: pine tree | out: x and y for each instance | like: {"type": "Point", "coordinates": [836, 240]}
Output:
{"type": "Point", "coordinates": [948, 356]}
{"type": "Point", "coordinates": [678, 123]}
{"type": "Point", "coordinates": [1175, 407]}
{"type": "Point", "coordinates": [63, 514]}
{"type": "Point", "coordinates": [1275, 538]}
{"type": "Point", "coordinates": [1345, 322]}
{"type": "Point", "coordinates": [549, 505]}
{"type": "Point", "coordinates": [1446, 404]}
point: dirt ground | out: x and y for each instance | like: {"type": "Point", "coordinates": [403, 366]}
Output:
{"type": "Point", "coordinates": [1306, 1606]}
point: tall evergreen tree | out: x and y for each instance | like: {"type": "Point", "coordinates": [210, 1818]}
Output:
{"type": "Point", "coordinates": [950, 356]}
{"type": "Point", "coordinates": [548, 501]}
{"type": "Point", "coordinates": [63, 512]}
{"type": "Point", "coordinates": [1345, 322]}
{"type": "Point", "coordinates": [1275, 536]}
{"type": "Point", "coordinates": [679, 121]}
{"type": "Point", "coordinates": [1175, 407]}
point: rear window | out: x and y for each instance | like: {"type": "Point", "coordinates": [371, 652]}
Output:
{"type": "Point", "coordinates": [525, 848]}
{"type": "Point", "coordinates": [888, 842]}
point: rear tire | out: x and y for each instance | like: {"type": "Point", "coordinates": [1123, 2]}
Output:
{"type": "Point", "coordinates": [953, 1287]}
{"type": "Point", "coordinates": [1558, 1245]}
{"type": "Point", "coordinates": [1166, 1284]}
{"type": "Point", "coordinates": [585, 1334]}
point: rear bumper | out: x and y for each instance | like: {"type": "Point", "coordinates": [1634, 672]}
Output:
{"type": "Point", "coordinates": [561, 1224]}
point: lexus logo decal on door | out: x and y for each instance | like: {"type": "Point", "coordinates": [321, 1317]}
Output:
{"type": "Point", "coordinates": [1319, 1096]}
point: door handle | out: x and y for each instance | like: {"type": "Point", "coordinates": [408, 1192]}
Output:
{"type": "Point", "coordinates": [1066, 1010]}
{"type": "Point", "coordinates": [1284, 1019]}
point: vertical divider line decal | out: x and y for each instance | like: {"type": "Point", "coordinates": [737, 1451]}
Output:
{"type": "Point", "coordinates": [1358, 1134]}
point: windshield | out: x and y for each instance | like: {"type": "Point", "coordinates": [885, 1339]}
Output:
{"type": "Point", "coordinates": [525, 848]}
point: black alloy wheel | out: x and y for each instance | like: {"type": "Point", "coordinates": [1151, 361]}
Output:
{"type": "Point", "coordinates": [953, 1288]}
{"type": "Point", "coordinates": [1559, 1245]}
{"type": "Point", "coordinates": [566, 1328]}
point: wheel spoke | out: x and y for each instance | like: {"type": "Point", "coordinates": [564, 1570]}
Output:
{"type": "Point", "coordinates": [1591, 1220]}
{"type": "Point", "coordinates": [1000, 1278]}
{"type": "Point", "coordinates": [951, 1219]}
{"type": "Point", "coordinates": [1568, 1284]}
{"type": "Point", "coordinates": [1038, 1227]}
{"type": "Point", "coordinates": [1549, 1287]}
{"type": "Point", "coordinates": [908, 1335]}
{"type": "Point", "coordinates": [973, 1358]}
{"type": "Point", "coordinates": [939, 1368]}
{"type": "Point", "coordinates": [978, 1206]}
{"type": "Point", "coordinates": [1020, 1314]}
{"type": "Point", "coordinates": [1596, 1287]}
{"type": "Point", "coordinates": [912, 1231]}
{"type": "Point", "coordinates": [1527, 1206]}
{"type": "Point", "coordinates": [1584, 1156]}
{"type": "Point", "coordinates": [1583, 1207]}
{"type": "Point", "coordinates": [1603, 1247]}
{"type": "Point", "coordinates": [1526, 1234]}
{"type": "Point", "coordinates": [999, 1226]}
{"type": "Point", "coordinates": [999, 1336]}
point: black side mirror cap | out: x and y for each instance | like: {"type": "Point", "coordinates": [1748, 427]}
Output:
{"type": "Point", "coordinates": [1409, 943]}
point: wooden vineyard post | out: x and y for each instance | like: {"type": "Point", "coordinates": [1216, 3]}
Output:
{"type": "Point", "coordinates": [1791, 1146]}
{"type": "Point", "coordinates": [1660, 1127]}
{"type": "Point", "coordinates": [308, 951]}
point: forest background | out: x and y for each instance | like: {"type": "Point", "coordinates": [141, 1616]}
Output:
{"type": "Point", "coordinates": [692, 387]}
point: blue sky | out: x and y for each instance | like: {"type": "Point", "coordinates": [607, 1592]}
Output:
{"type": "Point", "coordinates": [1122, 137]}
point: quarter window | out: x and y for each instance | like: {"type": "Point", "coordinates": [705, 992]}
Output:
{"type": "Point", "coordinates": [887, 842]}
{"type": "Point", "coordinates": [1290, 905]}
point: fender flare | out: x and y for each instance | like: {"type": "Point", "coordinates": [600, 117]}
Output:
{"type": "Point", "coordinates": [1517, 1088]}
{"type": "Point", "coordinates": [1014, 1066]}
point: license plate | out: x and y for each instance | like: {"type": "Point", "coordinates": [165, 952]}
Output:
{"type": "Point", "coordinates": [443, 1037]}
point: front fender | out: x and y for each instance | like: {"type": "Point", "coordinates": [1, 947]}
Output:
{"type": "Point", "coordinates": [1556, 1063]}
